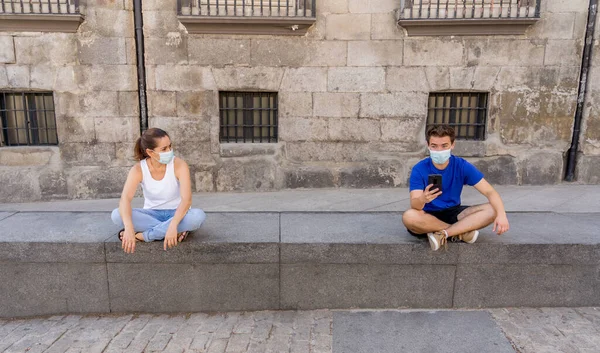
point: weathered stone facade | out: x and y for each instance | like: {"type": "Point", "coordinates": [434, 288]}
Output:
{"type": "Point", "coordinates": [353, 95]}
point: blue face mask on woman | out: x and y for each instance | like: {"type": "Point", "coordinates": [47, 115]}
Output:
{"type": "Point", "coordinates": [440, 157]}
{"type": "Point", "coordinates": [166, 157]}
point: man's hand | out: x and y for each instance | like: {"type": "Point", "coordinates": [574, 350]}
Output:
{"type": "Point", "coordinates": [170, 237]}
{"type": "Point", "coordinates": [429, 196]}
{"type": "Point", "coordinates": [128, 242]}
{"type": "Point", "coordinates": [501, 224]}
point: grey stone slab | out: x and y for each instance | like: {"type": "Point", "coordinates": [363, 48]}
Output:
{"type": "Point", "coordinates": [52, 288]}
{"type": "Point", "coordinates": [587, 202]}
{"type": "Point", "coordinates": [547, 228]}
{"type": "Point", "coordinates": [4, 215]}
{"type": "Point", "coordinates": [547, 200]}
{"type": "Point", "coordinates": [506, 285]}
{"type": "Point", "coordinates": [72, 227]}
{"type": "Point", "coordinates": [554, 198]}
{"type": "Point", "coordinates": [415, 251]}
{"type": "Point", "coordinates": [102, 205]}
{"type": "Point", "coordinates": [194, 250]}
{"type": "Point", "coordinates": [345, 228]}
{"type": "Point", "coordinates": [223, 238]}
{"type": "Point", "coordinates": [62, 252]}
{"type": "Point", "coordinates": [338, 286]}
{"type": "Point", "coordinates": [248, 227]}
{"type": "Point", "coordinates": [549, 254]}
{"type": "Point", "coordinates": [399, 206]}
{"type": "Point", "coordinates": [429, 331]}
{"type": "Point", "coordinates": [187, 287]}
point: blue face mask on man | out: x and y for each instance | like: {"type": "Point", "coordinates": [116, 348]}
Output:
{"type": "Point", "coordinates": [440, 157]}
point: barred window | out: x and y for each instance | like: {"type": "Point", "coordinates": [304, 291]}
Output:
{"type": "Point", "coordinates": [39, 7]}
{"type": "Point", "coordinates": [27, 119]}
{"type": "Point", "coordinates": [248, 116]}
{"type": "Point", "coordinates": [275, 8]}
{"type": "Point", "coordinates": [465, 111]}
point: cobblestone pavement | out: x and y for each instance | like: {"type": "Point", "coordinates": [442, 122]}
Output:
{"type": "Point", "coordinates": [260, 332]}
{"type": "Point", "coordinates": [553, 330]}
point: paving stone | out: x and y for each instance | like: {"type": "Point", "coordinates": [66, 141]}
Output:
{"type": "Point", "coordinates": [528, 330]}
{"type": "Point", "coordinates": [448, 332]}
{"type": "Point", "coordinates": [550, 329]}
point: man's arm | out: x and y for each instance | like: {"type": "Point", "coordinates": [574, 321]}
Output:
{"type": "Point", "coordinates": [501, 223]}
{"type": "Point", "coordinates": [418, 198]}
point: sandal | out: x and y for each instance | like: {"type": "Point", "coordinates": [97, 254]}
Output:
{"type": "Point", "coordinates": [182, 236]}
{"type": "Point", "coordinates": [122, 231]}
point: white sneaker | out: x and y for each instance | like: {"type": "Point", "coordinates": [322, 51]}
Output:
{"type": "Point", "coordinates": [469, 237]}
{"type": "Point", "coordinates": [437, 239]}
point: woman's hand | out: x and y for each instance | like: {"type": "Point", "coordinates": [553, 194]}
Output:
{"type": "Point", "coordinates": [128, 242]}
{"type": "Point", "coordinates": [170, 237]}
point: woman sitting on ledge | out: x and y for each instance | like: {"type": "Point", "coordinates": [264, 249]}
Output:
{"type": "Point", "coordinates": [167, 195]}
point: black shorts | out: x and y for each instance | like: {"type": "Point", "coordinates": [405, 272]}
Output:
{"type": "Point", "coordinates": [449, 215]}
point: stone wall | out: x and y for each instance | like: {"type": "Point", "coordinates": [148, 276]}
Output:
{"type": "Point", "coordinates": [352, 99]}
{"type": "Point", "coordinates": [93, 76]}
{"type": "Point", "coordinates": [353, 96]}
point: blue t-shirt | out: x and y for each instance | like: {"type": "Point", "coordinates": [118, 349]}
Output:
{"type": "Point", "coordinates": [458, 173]}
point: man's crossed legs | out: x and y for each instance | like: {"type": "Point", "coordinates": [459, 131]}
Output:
{"type": "Point", "coordinates": [459, 222]}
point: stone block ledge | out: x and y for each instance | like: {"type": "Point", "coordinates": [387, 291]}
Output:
{"type": "Point", "coordinates": [72, 262]}
{"type": "Point", "coordinates": [68, 23]}
{"type": "Point", "coordinates": [290, 26]}
{"type": "Point", "coordinates": [466, 27]}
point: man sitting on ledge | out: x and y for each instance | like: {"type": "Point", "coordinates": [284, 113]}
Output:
{"type": "Point", "coordinates": [439, 213]}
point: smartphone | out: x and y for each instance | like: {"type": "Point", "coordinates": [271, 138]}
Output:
{"type": "Point", "coordinates": [436, 180]}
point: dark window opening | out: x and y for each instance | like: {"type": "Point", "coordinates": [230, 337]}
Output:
{"type": "Point", "coordinates": [466, 112]}
{"type": "Point", "coordinates": [27, 119]}
{"type": "Point", "coordinates": [248, 116]}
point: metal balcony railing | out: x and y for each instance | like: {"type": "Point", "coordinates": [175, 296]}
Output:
{"type": "Point", "coordinates": [247, 8]}
{"type": "Point", "coordinates": [469, 9]}
{"type": "Point", "coordinates": [39, 7]}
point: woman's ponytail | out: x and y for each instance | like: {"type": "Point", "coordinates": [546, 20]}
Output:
{"type": "Point", "coordinates": [147, 141]}
{"type": "Point", "coordinates": [138, 152]}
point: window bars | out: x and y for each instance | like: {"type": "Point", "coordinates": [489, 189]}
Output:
{"type": "Point", "coordinates": [469, 9]}
{"type": "Point", "coordinates": [247, 8]}
{"type": "Point", "coordinates": [465, 111]}
{"type": "Point", "coordinates": [248, 116]}
{"type": "Point", "coordinates": [27, 119]}
{"type": "Point", "coordinates": [40, 7]}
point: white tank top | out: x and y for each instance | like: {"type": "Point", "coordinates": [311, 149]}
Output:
{"type": "Point", "coordinates": [160, 194]}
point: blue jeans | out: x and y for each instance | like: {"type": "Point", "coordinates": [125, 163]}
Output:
{"type": "Point", "coordinates": [154, 223]}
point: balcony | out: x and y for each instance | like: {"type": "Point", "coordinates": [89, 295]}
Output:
{"type": "Point", "coordinates": [279, 17]}
{"type": "Point", "coordinates": [467, 17]}
{"type": "Point", "coordinates": [40, 15]}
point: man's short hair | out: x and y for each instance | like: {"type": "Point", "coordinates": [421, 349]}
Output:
{"type": "Point", "coordinates": [440, 131]}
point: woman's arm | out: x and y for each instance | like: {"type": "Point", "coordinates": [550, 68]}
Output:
{"type": "Point", "coordinates": [182, 173]}
{"type": "Point", "coordinates": [134, 178]}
